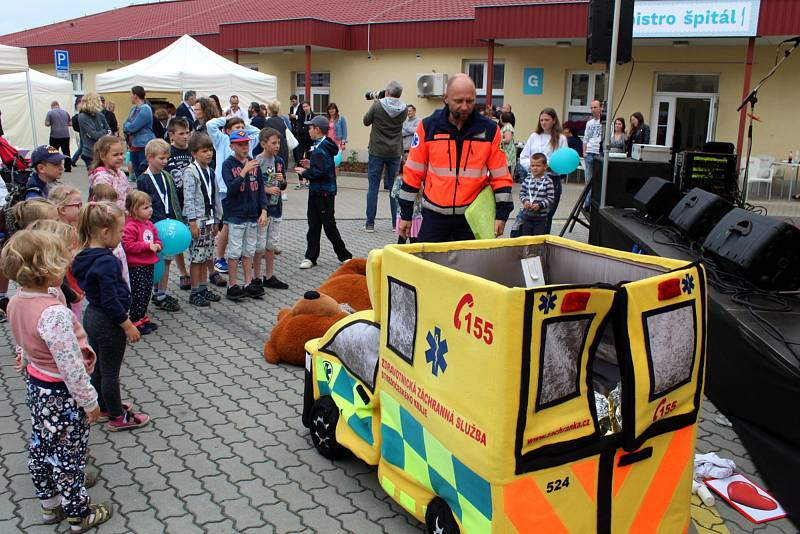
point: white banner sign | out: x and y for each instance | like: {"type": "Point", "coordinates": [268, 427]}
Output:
{"type": "Point", "coordinates": [720, 18]}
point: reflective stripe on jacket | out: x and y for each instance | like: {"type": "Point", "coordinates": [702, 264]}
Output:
{"type": "Point", "coordinates": [455, 166]}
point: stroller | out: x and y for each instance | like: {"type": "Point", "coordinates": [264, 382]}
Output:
{"type": "Point", "coordinates": [15, 169]}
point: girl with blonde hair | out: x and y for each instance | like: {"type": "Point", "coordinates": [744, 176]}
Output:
{"type": "Point", "coordinates": [54, 350]}
{"type": "Point", "coordinates": [106, 319]}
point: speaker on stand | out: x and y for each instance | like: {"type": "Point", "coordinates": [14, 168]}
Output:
{"type": "Point", "coordinates": [601, 21]}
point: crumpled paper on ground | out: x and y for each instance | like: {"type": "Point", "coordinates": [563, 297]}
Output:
{"type": "Point", "coordinates": [710, 465]}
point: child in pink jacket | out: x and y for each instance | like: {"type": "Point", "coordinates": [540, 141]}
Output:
{"type": "Point", "coordinates": [141, 243]}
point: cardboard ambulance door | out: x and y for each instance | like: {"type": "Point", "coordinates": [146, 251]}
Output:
{"type": "Point", "coordinates": [347, 366]}
{"type": "Point", "coordinates": [557, 414]}
{"type": "Point", "coordinates": [661, 346]}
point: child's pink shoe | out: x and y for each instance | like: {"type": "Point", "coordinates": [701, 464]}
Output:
{"type": "Point", "coordinates": [126, 407]}
{"type": "Point", "coordinates": [128, 421]}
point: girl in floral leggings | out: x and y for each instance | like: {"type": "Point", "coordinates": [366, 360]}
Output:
{"type": "Point", "coordinates": [54, 350]}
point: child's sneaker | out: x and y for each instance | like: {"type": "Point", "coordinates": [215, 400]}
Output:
{"type": "Point", "coordinates": [210, 296]}
{"type": "Point", "coordinates": [221, 266]}
{"type": "Point", "coordinates": [98, 514]}
{"type": "Point", "coordinates": [274, 283]}
{"type": "Point", "coordinates": [167, 303]}
{"type": "Point", "coordinates": [306, 264]}
{"type": "Point", "coordinates": [185, 283]}
{"type": "Point", "coordinates": [254, 290]}
{"type": "Point", "coordinates": [127, 421]}
{"type": "Point", "coordinates": [198, 299]}
{"type": "Point", "coordinates": [217, 280]}
{"type": "Point", "coordinates": [126, 407]}
{"type": "Point", "coordinates": [235, 293]}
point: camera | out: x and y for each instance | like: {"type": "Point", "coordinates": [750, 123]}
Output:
{"type": "Point", "coordinates": [372, 95]}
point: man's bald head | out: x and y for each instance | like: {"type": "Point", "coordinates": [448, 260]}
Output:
{"type": "Point", "coordinates": [460, 98]}
{"type": "Point", "coordinates": [460, 81]}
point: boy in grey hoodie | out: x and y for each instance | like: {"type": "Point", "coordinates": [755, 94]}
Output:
{"type": "Point", "coordinates": [386, 116]}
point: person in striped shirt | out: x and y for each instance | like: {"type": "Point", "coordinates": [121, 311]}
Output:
{"type": "Point", "coordinates": [535, 196]}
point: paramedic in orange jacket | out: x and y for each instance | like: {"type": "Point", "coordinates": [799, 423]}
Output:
{"type": "Point", "coordinates": [456, 153]}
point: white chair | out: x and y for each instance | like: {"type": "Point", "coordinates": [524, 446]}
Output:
{"type": "Point", "coordinates": [760, 171]}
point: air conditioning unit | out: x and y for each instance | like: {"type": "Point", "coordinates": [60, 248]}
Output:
{"type": "Point", "coordinates": [431, 84]}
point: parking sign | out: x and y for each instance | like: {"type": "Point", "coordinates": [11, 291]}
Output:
{"type": "Point", "coordinates": [62, 61]}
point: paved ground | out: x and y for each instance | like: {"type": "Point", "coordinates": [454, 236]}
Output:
{"type": "Point", "coordinates": [226, 451]}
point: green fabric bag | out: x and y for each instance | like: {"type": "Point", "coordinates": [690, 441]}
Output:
{"type": "Point", "coordinates": [481, 214]}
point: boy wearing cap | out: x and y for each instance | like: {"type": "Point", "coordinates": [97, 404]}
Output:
{"type": "Point", "coordinates": [320, 171]}
{"type": "Point", "coordinates": [48, 166]}
{"type": "Point", "coordinates": [245, 209]}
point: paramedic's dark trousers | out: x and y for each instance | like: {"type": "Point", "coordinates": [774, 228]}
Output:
{"type": "Point", "coordinates": [321, 216]}
{"type": "Point", "coordinates": [438, 228]}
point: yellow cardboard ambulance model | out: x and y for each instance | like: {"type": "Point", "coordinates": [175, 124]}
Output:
{"type": "Point", "coordinates": [491, 406]}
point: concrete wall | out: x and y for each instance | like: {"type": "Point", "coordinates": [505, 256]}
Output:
{"type": "Point", "coordinates": [352, 74]}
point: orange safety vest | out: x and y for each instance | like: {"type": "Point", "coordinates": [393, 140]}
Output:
{"type": "Point", "coordinates": [456, 165]}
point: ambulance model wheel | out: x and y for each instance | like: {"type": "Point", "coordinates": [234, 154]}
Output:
{"type": "Point", "coordinates": [439, 518]}
{"type": "Point", "coordinates": [324, 416]}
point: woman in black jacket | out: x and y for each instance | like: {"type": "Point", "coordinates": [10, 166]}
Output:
{"type": "Point", "coordinates": [639, 133]}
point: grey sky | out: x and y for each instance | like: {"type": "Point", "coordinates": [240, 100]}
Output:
{"type": "Point", "coordinates": [23, 14]}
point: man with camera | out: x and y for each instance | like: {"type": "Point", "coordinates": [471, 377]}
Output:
{"type": "Point", "coordinates": [456, 153]}
{"type": "Point", "coordinates": [386, 116]}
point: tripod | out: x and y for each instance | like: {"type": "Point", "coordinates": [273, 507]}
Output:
{"type": "Point", "coordinates": [575, 214]}
{"type": "Point", "coordinates": [752, 99]}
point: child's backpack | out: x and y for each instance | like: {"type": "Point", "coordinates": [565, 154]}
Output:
{"type": "Point", "coordinates": [8, 224]}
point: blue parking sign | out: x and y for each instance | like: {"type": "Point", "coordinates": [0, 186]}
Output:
{"type": "Point", "coordinates": [533, 81]}
{"type": "Point", "coordinates": [62, 60]}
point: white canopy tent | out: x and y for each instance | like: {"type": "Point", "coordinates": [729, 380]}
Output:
{"type": "Point", "coordinates": [17, 107]}
{"type": "Point", "coordinates": [13, 59]}
{"type": "Point", "coordinates": [188, 65]}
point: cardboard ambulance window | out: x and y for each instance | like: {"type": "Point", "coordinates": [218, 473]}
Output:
{"type": "Point", "coordinates": [402, 327]}
{"type": "Point", "coordinates": [670, 342]}
{"type": "Point", "coordinates": [562, 346]}
{"type": "Point", "coordinates": [356, 345]}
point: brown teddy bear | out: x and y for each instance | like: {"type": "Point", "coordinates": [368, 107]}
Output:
{"type": "Point", "coordinates": [348, 285]}
{"type": "Point", "coordinates": [310, 317]}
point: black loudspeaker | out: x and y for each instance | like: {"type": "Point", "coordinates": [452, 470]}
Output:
{"type": "Point", "coordinates": [698, 212]}
{"type": "Point", "coordinates": [762, 249]}
{"type": "Point", "coordinates": [625, 178]}
{"type": "Point", "coordinates": [601, 24]}
{"type": "Point", "coordinates": [656, 198]}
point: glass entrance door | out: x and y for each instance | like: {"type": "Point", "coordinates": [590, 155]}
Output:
{"type": "Point", "coordinates": [683, 122]}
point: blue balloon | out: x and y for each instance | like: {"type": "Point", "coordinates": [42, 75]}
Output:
{"type": "Point", "coordinates": [337, 159]}
{"type": "Point", "coordinates": [174, 235]}
{"type": "Point", "coordinates": [564, 161]}
{"type": "Point", "coordinates": [158, 270]}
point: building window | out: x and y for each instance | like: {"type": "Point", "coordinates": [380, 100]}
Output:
{"type": "Point", "coordinates": [77, 82]}
{"type": "Point", "coordinates": [582, 88]}
{"type": "Point", "coordinates": [477, 70]}
{"type": "Point", "coordinates": [687, 83]}
{"type": "Point", "coordinates": [318, 79]}
{"type": "Point", "coordinates": [320, 89]}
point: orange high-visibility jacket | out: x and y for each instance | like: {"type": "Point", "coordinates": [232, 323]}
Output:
{"type": "Point", "coordinates": [455, 165]}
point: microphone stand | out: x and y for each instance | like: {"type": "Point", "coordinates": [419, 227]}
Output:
{"type": "Point", "coordinates": [752, 99]}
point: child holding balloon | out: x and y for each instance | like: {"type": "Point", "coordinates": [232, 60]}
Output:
{"type": "Point", "coordinates": [141, 243]}
{"type": "Point", "coordinates": [157, 182]}
{"type": "Point", "coordinates": [106, 320]}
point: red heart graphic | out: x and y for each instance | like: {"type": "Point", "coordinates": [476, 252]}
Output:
{"type": "Point", "coordinates": [747, 494]}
